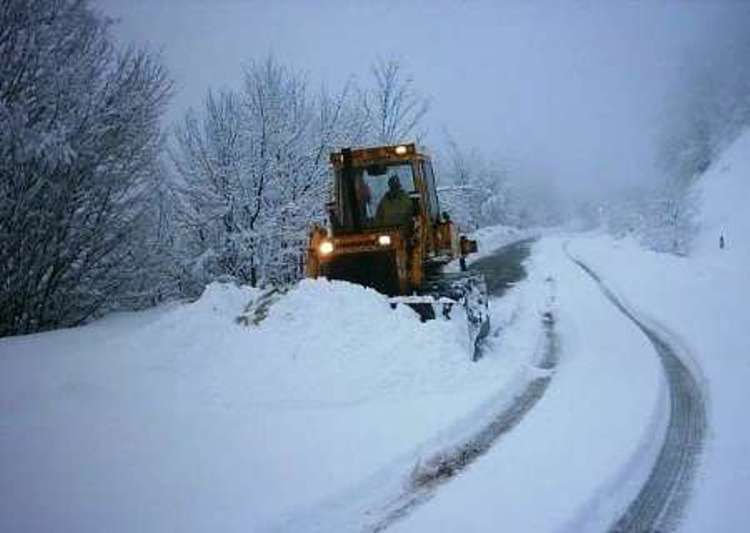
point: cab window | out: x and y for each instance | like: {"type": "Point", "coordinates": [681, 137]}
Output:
{"type": "Point", "coordinates": [370, 186]}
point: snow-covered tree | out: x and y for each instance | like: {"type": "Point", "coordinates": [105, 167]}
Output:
{"type": "Point", "coordinates": [79, 151]}
{"type": "Point", "coordinates": [474, 191]}
{"type": "Point", "coordinates": [395, 108]}
{"type": "Point", "coordinates": [255, 173]}
{"type": "Point", "coordinates": [709, 108]}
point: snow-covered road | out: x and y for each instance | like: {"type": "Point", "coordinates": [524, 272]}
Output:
{"type": "Point", "coordinates": [503, 269]}
{"type": "Point", "coordinates": [659, 504]}
{"type": "Point", "coordinates": [581, 455]}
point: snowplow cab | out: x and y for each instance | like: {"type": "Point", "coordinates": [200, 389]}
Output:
{"type": "Point", "coordinates": [386, 229]}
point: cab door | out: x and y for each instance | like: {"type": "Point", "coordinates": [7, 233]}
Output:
{"type": "Point", "coordinates": [430, 201]}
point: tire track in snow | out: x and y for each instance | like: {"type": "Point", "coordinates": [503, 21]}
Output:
{"type": "Point", "coordinates": [502, 269]}
{"type": "Point", "coordinates": [444, 466]}
{"type": "Point", "coordinates": [661, 501]}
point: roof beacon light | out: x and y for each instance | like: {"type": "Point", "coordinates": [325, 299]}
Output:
{"type": "Point", "coordinates": [400, 150]}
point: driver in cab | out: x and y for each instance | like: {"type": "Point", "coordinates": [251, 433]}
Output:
{"type": "Point", "coordinates": [395, 208]}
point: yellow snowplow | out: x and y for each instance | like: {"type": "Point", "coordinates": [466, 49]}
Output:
{"type": "Point", "coordinates": [386, 231]}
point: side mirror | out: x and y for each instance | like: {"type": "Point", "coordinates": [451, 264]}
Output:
{"type": "Point", "coordinates": [468, 246]}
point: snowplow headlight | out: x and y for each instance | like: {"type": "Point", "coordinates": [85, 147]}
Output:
{"type": "Point", "coordinates": [384, 240]}
{"type": "Point", "coordinates": [400, 150]}
{"type": "Point", "coordinates": [325, 248]}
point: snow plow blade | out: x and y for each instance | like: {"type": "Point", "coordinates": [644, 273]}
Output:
{"type": "Point", "coordinates": [467, 290]}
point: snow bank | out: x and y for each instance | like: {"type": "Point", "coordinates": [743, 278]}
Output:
{"type": "Point", "coordinates": [333, 341]}
{"type": "Point", "coordinates": [724, 191]}
{"type": "Point", "coordinates": [179, 418]}
{"type": "Point", "coordinates": [221, 299]}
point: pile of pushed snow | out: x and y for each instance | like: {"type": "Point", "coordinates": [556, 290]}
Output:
{"type": "Point", "coordinates": [217, 303]}
{"type": "Point", "coordinates": [724, 191]}
{"type": "Point", "coordinates": [323, 342]}
{"type": "Point", "coordinates": [223, 299]}
{"type": "Point", "coordinates": [125, 420]}
{"type": "Point", "coordinates": [319, 302]}
{"type": "Point", "coordinates": [333, 341]}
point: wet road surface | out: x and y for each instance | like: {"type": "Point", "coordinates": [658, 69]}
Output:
{"type": "Point", "coordinates": [504, 268]}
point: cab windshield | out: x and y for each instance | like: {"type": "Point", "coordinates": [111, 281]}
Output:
{"type": "Point", "coordinates": [379, 196]}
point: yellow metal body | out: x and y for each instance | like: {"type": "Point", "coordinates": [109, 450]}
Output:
{"type": "Point", "coordinates": [429, 240]}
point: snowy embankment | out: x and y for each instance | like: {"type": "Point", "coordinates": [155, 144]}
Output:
{"type": "Point", "coordinates": [703, 299]}
{"type": "Point", "coordinates": [180, 419]}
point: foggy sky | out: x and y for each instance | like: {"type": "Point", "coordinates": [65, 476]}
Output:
{"type": "Point", "coordinates": [570, 93]}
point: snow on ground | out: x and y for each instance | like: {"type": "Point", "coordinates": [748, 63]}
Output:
{"type": "Point", "coordinates": [704, 304]}
{"type": "Point", "coordinates": [723, 193]}
{"type": "Point", "coordinates": [704, 300]}
{"type": "Point", "coordinates": [180, 419]}
{"type": "Point", "coordinates": [581, 453]}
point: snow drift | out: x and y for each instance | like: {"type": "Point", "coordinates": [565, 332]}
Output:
{"type": "Point", "coordinates": [178, 418]}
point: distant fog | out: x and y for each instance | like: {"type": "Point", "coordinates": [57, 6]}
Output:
{"type": "Point", "coordinates": [572, 95]}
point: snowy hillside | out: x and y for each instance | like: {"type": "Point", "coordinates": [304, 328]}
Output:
{"type": "Point", "coordinates": [723, 192]}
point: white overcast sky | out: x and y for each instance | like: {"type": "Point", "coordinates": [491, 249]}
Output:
{"type": "Point", "coordinates": [571, 90]}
